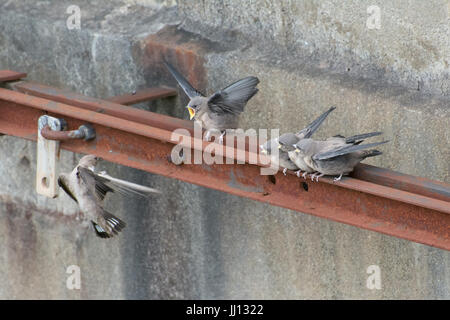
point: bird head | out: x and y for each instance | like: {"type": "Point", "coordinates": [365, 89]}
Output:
{"type": "Point", "coordinates": [303, 146]}
{"type": "Point", "coordinates": [262, 149]}
{"type": "Point", "coordinates": [286, 141]}
{"type": "Point", "coordinates": [268, 146]}
{"type": "Point", "coordinates": [194, 106]}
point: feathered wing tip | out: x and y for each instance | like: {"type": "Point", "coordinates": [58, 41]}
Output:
{"type": "Point", "coordinates": [126, 187]}
{"type": "Point", "coordinates": [233, 98]}
{"type": "Point", "coordinates": [242, 90]}
{"type": "Point", "coordinates": [313, 126]}
{"type": "Point", "coordinates": [346, 150]}
{"type": "Point", "coordinates": [99, 231]}
{"type": "Point", "coordinates": [370, 153]}
{"type": "Point", "coordinates": [244, 84]}
{"type": "Point", "coordinates": [360, 137]}
{"type": "Point", "coordinates": [184, 84]}
{"type": "Point", "coordinates": [113, 225]}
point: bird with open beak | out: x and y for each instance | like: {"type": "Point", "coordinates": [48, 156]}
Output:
{"type": "Point", "coordinates": [88, 189]}
{"type": "Point", "coordinates": [220, 111]}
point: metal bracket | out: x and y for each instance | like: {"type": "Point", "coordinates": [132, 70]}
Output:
{"type": "Point", "coordinates": [48, 157]}
{"type": "Point", "coordinates": [50, 131]}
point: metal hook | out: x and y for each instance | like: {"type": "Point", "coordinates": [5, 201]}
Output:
{"type": "Point", "coordinates": [85, 131]}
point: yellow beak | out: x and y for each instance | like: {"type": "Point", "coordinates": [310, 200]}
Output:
{"type": "Point", "coordinates": [279, 146]}
{"type": "Point", "coordinates": [191, 113]}
{"type": "Point", "coordinates": [297, 151]}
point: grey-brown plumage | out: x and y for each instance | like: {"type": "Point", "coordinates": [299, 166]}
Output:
{"type": "Point", "coordinates": [277, 157]}
{"type": "Point", "coordinates": [338, 141]}
{"type": "Point", "coordinates": [332, 157]}
{"type": "Point", "coordinates": [285, 142]}
{"type": "Point", "coordinates": [88, 189]}
{"type": "Point", "coordinates": [221, 110]}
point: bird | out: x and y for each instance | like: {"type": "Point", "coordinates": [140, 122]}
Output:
{"type": "Point", "coordinates": [277, 157]}
{"type": "Point", "coordinates": [88, 189]}
{"type": "Point", "coordinates": [336, 141]}
{"type": "Point", "coordinates": [285, 142]}
{"type": "Point", "coordinates": [219, 111]}
{"type": "Point", "coordinates": [333, 157]}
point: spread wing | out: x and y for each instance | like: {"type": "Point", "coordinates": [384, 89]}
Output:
{"type": "Point", "coordinates": [126, 187]}
{"type": "Point", "coordinates": [188, 89]}
{"type": "Point", "coordinates": [94, 182]}
{"type": "Point", "coordinates": [105, 183]}
{"type": "Point", "coordinates": [233, 98]}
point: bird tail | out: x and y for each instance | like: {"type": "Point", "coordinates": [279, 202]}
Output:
{"type": "Point", "coordinates": [370, 153]}
{"type": "Point", "coordinates": [109, 226]}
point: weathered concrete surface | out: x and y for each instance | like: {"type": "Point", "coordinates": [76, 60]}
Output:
{"type": "Point", "coordinates": [194, 242]}
{"type": "Point", "coordinates": [411, 47]}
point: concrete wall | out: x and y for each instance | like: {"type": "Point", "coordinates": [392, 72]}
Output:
{"type": "Point", "coordinates": [199, 243]}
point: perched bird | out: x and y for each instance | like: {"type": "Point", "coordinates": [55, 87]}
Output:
{"type": "Point", "coordinates": [277, 157]}
{"type": "Point", "coordinates": [88, 189]}
{"type": "Point", "coordinates": [221, 110]}
{"type": "Point", "coordinates": [331, 157]}
{"type": "Point", "coordinates": [297, 157]}
{"type": "Point", "coordinates": [284, 145]}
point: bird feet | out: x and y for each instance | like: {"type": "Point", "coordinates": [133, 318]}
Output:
{"type": "Point", "coordinates": [298, 173]}
{"type": "Point", "coordinates": [284, 171]}
{"type": "Point", "coordinates": [220, 140]}
{"type": "Point", "coordinates": [338, 178]}
{"type": "Point", "coordinates": [207, 136]}
{"type": "Point", "coordinates": [316, 175]}
{"type": "Point", "coordinates": [214, 133]}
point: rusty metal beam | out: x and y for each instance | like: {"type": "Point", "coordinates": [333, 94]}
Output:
{"type": "Point", "coordinates": [416, 185]}
{"type": "Point", "coordinates": [379, 176]}
{"type": "Point", "coordinates": [365, 204]}
{"type": "Point", "coordinates": [143, 95]}
{"type": "Point", "coordinates": [8, 75]}
{"type": "Point", "coordinates": [102, 106]}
